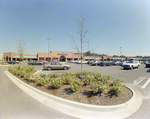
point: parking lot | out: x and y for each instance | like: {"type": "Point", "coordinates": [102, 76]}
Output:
{"type": "Point", "coordinates": [139, 75]}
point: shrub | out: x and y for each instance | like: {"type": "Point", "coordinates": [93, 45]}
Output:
{"type": "Point", "coordinates": [75, 84]}
{"type": "Point", "coordinates": [53, 75]}
{"type": "Point", "coordinates": [85, 73]}
{"type": "Point", "coordinates": [3, 63]}
{"type": "Point", "coordinates": [67, 79]}
{"type": "Point", "coordinates": [22, 73]}
{"type": "Point", "coordinates": [14, 71]}
{"type": "Point", "coordinates": [70, 74]}
{"type": "Point", "coordinates": [118, 85]}
{"type": "Point", "coordinates": [15, 67]}
{"type": "Point", "coordinates": [18, 73]}
{"type": "Point", "coordinates": [34, 77]}
{"type": "Point", "coordinates": [42, 81]}
{"type": "Point", "coordinates": [104, 79]}
{"type": "Point", "coordinates": [27, 69]}
{"type": "Point", "coordinates": [43, 75]}
{"type": "Point", "coordinates": [97, 75]}
{"type": "Point", "coordinates": [27, 76]}
{"type": "Point", "coordinates": [88, 79]}
{"type": "Point", "coordinates": [98, 87]}
{"type": "Point", "coordinates": [10, 68]}
{"type": "Point", "coordinates": [56, 83]}
{"type": "Point", "coordinates": [31, 68]}
{"type": "Point", "coordinates": [78, 74]}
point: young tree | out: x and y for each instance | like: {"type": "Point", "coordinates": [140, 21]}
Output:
{"type": "Point", "coordinates": [20, 48]}
{"type": "Point", "coordinates": [82, 32]}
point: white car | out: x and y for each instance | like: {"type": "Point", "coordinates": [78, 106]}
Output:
{"type": "Point", "coordinates": [83, 61]}
{"type": "Point", "coordinates": [132, 63]}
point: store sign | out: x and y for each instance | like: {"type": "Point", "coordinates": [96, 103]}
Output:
{"type": "Point", "coordinates": [62, 53]}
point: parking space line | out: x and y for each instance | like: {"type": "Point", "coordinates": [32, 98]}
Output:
{"type": "Point", "coordinates": [136, 82]}
{"type": "Point", "coordinates": [147, 82]}
{"type": "Point", "coordinates": [36, 71]}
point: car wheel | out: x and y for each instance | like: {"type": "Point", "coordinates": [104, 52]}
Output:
{"type": "Point", "coordinates": [48, 68]}
{"type": "Point", "coordinates": [65, 68]}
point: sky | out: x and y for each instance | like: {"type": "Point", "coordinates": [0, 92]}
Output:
{"type": "Point", "coordinates": [111, 24]}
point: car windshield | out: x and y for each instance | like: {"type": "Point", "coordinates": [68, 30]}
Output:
{"type": "Point", "coordinates": [130, 62]}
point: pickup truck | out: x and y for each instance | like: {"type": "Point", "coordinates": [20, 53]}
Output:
{"type": "Point", "coordinates": [131, 64]}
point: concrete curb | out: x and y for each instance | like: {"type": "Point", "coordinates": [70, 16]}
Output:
{"type": "Point", "coordinates": [81, 110]}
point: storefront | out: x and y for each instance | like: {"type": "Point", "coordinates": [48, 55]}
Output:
{"type": "Point", "coordinates": [14, 56]}
{"type": "Point", "coordinates": [59, 56]}
{"type": "Point", "coordinates": [53, 55]}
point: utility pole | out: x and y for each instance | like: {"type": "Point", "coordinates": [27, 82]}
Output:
{"type": "Point", "coordinates": [48, 47]}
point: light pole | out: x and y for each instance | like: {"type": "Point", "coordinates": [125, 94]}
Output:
{"type": "Point", "coordinates": [121, 52]}
{"type": "Point", "coordinates": [48, 47]}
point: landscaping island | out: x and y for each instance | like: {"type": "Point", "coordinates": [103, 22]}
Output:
{"type": "Point", "coordinates": [92, 88]}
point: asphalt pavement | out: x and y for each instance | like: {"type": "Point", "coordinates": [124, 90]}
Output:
{"type": "Point", "coordinates": [15, 103]}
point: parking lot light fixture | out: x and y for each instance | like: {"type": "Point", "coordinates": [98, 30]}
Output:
{"type": "Point", "coordinates": [48, 47]}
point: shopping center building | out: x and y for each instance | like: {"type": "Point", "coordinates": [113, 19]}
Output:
{"type": "Point", "coordinates": [61, 56]}
{"type": "Point", "coordinates": [53, 55]}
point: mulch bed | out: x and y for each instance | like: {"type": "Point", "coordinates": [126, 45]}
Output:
{"type": "Point", "coordinates": [84, 95]}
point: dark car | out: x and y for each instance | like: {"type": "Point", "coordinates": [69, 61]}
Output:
{"type": "Point", "coordinates": [11, 62]}
{"type": "Point", "coordinates": [106, 63]}
{"type": "Point", "coordinates": [147, 64]}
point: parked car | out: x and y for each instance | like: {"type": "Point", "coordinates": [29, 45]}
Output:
{"type": "Point", "coordinates": [131, 63]}
{"type": "Point", "coordinates": [33, 62]}
{"type": "Point", "coordinates": [71, 61]}
{"type": "Point", "coordinates": [90, 62]}
{"type": "Point", "coordinates": [83, 61]}
{"type": "Point", "coordinates": [115, 62]}
{"type": "Point", "coordinates": [106, 63]}
{"type": "Point", "coordinates": [76, 61]}
{"type": "Point", "coordinates": [147, 64]}
{"type": "Point", "coordinates": [95, 63]}
{"type": "Point", "coordinates": [11, 62]}
{"type": "Point", "coordinates": [44, 62]}
{"type": "Point", "coordinates": [56, 65]}
{"type": "Point", "coordinates": [121, 63]}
